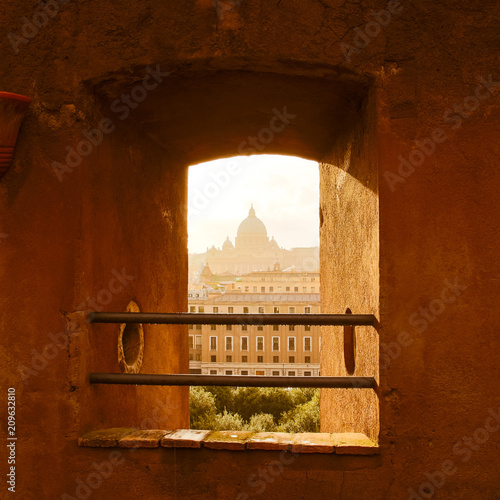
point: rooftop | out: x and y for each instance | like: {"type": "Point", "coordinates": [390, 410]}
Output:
{"type": "Point", "coordinates": [267, 297]}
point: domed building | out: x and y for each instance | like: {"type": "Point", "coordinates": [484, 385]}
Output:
{"type": "Point", "coordinates": [252, 233]}
{"type": "Point", "coordinates": [253, 251]}
{"type": "Point", "coordinates": [228, 245]}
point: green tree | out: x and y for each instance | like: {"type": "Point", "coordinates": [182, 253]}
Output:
{"type": "Point", "coordinates": [249, 401]}
{"type": "Point", "coordinates": [227, 422]}
{"type": "Point", "coordinates": [261, 422]}
{"type": "Point", "coordinates": [256, 409]}
{"type": "Point", "coordinates": [303, 418]}
{"type": "Point", "coordinates": [202, 408]}
{"type": "Point", "coordinates": [224, 397]}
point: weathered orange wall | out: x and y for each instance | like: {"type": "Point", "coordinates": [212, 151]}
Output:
{"type": "Point", "coordinates": [349, 232]}
{"type": "Point", "coordinates": [124, 207]}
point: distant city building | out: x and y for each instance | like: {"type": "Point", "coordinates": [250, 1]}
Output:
{"type": "Point", "coordinates": [256, 350]}
{"type": "Point", "coordinates": [252, 251]}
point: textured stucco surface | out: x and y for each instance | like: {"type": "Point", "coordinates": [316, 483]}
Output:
{"type": "Point", "coordinates": [350, 265]}
{"type": "Point", "coordinates": [124, 207]}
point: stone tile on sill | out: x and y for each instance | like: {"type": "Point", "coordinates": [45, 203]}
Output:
{"type": "Point", "coordinates": [143, 439]}
{"type": "Point", "coordinates": [184, 438]}
{"type": "Point", "coordinates": [313, 442]}
{"type": "Point", "coordinates": [351, 443]}
{"type": "Point", "coordinates": [227, 440]}
{"type": "Point", "coordinates": [105, 438]}
{"type": "Point", "coordinates": [270, 441]}
{"type": "Point", "coordinates": [340, 444]}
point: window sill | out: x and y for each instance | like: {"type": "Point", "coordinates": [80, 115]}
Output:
{"type": "Point", "coordinates": [340, 444]}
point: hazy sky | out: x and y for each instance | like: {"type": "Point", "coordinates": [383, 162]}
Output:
{"type": "Point", "coordinates": [284, 191]}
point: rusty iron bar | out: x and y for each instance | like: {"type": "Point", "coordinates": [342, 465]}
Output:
{"type": "Point", "coordinates": [233, 380]}
{"type": "Point", "coordinates": [233, 319]}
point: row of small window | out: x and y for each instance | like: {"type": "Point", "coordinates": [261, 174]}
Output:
{"type": "Point", "coordinates": [246, 310]}
{"type": "Point", "coordinates": [279, 289]}
{"type": "Point", "coordinates": [259, 343]}
{"type": "Point", "coordinates": [276, 373]}
{"type": "Point", "coordinates": [260, 328]}
{"type": "Point", "coordinates": [307, 343]}
{"type": "Point", "coordinates": [280, 279]}
{"type": "Point", "coordinates": [244, 359]}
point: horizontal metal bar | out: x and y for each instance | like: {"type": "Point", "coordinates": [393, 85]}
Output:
{"type": "Point", "coordinates": [232, 319]}
{"type": "Point", "coordinates": [233, 380]}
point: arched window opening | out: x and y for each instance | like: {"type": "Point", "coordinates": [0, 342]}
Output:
{"type": "Point", "coordinates": [253, 237]}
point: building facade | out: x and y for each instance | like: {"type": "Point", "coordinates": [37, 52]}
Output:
{"type": "Point", "coordinates": [271, 350]}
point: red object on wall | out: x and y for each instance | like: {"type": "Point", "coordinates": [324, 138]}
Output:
{"type": "Point", "coordinates": [12, 110]}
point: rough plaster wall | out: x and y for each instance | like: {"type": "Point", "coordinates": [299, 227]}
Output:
{"type": "Point", "coordinates": [66, 240]}
{"type": "Point", "coordinates": [437, 228]}
{"type": "Point", "coordinates": [440, 224]}
{"type": "Point", "coordinates": [153, 253]}
{"type": "Point", "coordinates": [350, 270]}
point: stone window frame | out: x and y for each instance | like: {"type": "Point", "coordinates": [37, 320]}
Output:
{"type": "Point", "coordinates": [213, 340]}
{"type": "Point", "coordinates": [242, 348]}
{"type": "Point", "coordinates": [257, 344]}
{"type": "Point", "coordinates": [279, 344]}
{"type": "Point", "coordinates": [310, 343]}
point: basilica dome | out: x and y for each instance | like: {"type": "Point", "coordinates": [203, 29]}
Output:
{"type": "Point", "coordinates": [252, 233]}
{"type": "Point", "coordinates": [252, 225]}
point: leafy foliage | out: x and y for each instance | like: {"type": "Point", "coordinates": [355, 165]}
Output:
{"type": "Point", "coordinates": [261, 422]}
{"type": "Point", "coordinates": [223, 397]}
{"type": "Point", "coordinates": [227, 422]}
{"type": "Point", "coordinates": [303, 418]}
{"type": "Point", "coordinates": [202, 407]}
{"type": "Point", "coordinates": [255, 409]}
